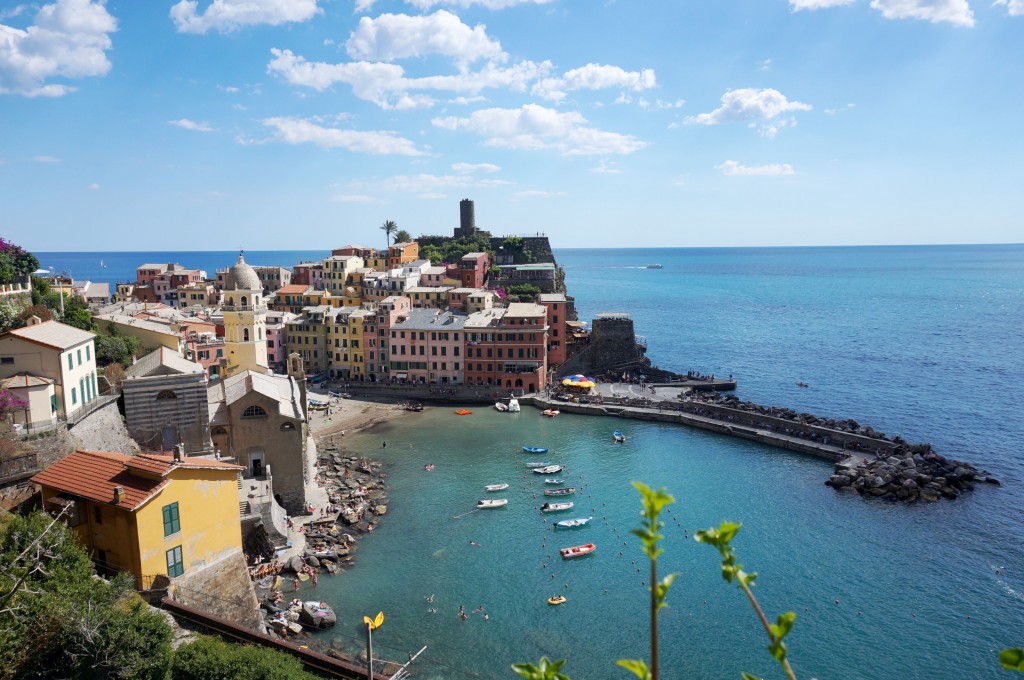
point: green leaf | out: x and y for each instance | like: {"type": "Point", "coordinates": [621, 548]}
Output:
{"type": "Point", "coordinates": [545, 670]}
{"type": "Point", "coordinates": [637, 666]}
{"type": "Point", "coordinates": [1012, 659]}
{"type": "Point", "coordinates": [661, 589]}
{"type": "Point", "coordinates": [748, 676]}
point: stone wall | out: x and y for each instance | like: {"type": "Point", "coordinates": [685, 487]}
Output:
{"type": "Point", "coordinates": [186, 413]}
{"type": "Point", "coordinates": [223, 589]}
{"type": "Point", "coordinates": [612, 347]}
{"type": "Point", "coordinates": [102, 430]}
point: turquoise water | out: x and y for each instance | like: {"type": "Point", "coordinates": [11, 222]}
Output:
{"type": "Point", "coordinates": [920, 341]}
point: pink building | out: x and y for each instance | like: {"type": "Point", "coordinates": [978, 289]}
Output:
{"type": "Point", "coordinates": [426, 347]}
{"type": "Point", "coordinates": [276, 350]}
{"type": "Point", "coordinates": [555, 304]}
{"type": "Point", "coordinates": [473, 269]}
{"type": "Point", "coordinates": [388, 311]}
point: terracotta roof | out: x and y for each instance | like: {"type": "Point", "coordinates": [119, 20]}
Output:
{"type": "Point", "coordinates": [94, 475]}
{"type": "Point", "coordinates": [24, 380]}
{"type": "Point", "coordinates": [53, 334]}
{"type": "Point", "coordinates": [292, 289]}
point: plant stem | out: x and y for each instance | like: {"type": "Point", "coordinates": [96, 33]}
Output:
{"type": "Point", "coordinates": [654, 620]}
{"type": "Point", "coordinates": [764, 622]}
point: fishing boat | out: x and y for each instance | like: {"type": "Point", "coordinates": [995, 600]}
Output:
{"type": "Point", "coordinates": [549, 469]}
{"type": "Point", "coordinates": [414, 407]}
{"type": "Point", "coordinates": [500, 406]}
{"type": "Point", "coordinates": [618, 436]}
{"type": "Point", "coordinates": [491, 503]}
{"type": "Point", "coordinates": [463, 412]}
{"type": "Point", "coordinates": [496, 487]}
{"type": "Point", "coordinates": [573, 523]}
{"type": "Point", "coordinates": [655, 266]}
{"type": "Point", "coordinates": [556, 507]}
{"type": "Point", "coordinates": [550, 412]}
{"type": "Point", "coordinates": [565, 491]}
{"type": "Point", "coordinates": [513, 405]}
{"type": "Point", "coordinates": [556, 599]}
{"type": "Point", "coordinates": [535, 449]}
{"type": "Point", "coordinates": [577, 550]}
{"type": "Point", "coordinates": [538, 463]}
{"type": "Point", "coordinates": [553, 480]}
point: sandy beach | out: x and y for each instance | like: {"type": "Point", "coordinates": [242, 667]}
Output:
{"type": "Point", "coordinates": [349, 414]}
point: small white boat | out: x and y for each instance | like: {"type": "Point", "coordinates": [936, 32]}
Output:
{"type": "Point", "coordinates": [556, 507]}
{"type": "Point", "coordinates": [500, 406]}
{"type": "Point", "coordinates": [550, 412]}
{"type": "Point", "coordinates": [573, 523]}
{"type": "Point", "coordinates": [618, 436]}
{"type": "Point", "coordinates": [549, 469]}
{"type": "Point", "coordinates": [513, 405]}
{"type": "Point", "coordinates": [535, 449]}
{"type": "Point", "coordinates": [496, 487]}
{"type": "Point", "coordinates": [491, 503]}
{"type": "Point", "coordinates": [553, 480]}
{"type": "Point", "coordinates": [565, 491]}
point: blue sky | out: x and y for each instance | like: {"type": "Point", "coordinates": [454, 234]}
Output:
{"type": "Point", "coordinates": [272, 124]}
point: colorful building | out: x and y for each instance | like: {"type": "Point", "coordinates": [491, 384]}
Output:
{"type": "Point", "coordinates": [148, 515]}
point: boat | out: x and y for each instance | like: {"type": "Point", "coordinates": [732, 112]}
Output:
{"type": "Point", "coordinates": [428, 466]}
{"type": "Point", "coordinates": [802, 384]}
{"type": "Point", "coordinates": [553, 480]}
{"type": "Point", "coordinates": [550, 412]}
{"type": "Point", "coordinates": [538, 464]}
{"type": "Point", "coordinates": [655, 266]}
{"type": "Point", "coordinates": [556, 599]}
{"type": "Point", "coordinates": [549, 470]}
{"type": "Point", "coordinates": [500, 406]}
{"type": "Point", "coordinates": [496, 487]}
{"type": "Point", "coordinates": [491, 503]}
{"type": "Point", "coordinates": [577, 550]}
{"type": "Point", "coordinates": [463, 412]}
{"type": "Point", "coordinates": [573, 523]}
{"type": "Point", "coordinates": [565, 491]}
{"type": "Point", "coordinates": [513, 405]}
{"type": "Point", "coordinates": [619, 437]}
{"type": "Point", "coordinates": [414, 407]}
{"type": "Point", "coordinates": [556, 507]}
{"type": "Point", "coordinates": [535, 449]}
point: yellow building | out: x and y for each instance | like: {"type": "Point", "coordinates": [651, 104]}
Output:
{"type": "Point", "coordinates": [148, 515]}
{"type": "Point", "coordinates": [338, 269]}
{"type": "Point", "coordinates": [345, 339]}
{"type": "Point", "coordinates": [403, 253]}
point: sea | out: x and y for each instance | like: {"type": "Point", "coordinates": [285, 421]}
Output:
{"type": "Point", "coordinates": [920, 341]}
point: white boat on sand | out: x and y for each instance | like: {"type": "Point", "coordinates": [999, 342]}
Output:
{"type": "Point", "coordinates": [491, 503]}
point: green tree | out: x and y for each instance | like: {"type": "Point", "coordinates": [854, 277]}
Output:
{"type": "Point", "coordinates": [15, 262]}
{"type": "Point", "coordinates": [402, 236]}
{"type": "Point", "coordinates": [1012, 659]}
{"type": "Point", "coordinates": [389, 228]}
{"type": "Point", "coordinates": [118, 349]}
{"type": "Point", "coordinates": [8, 316]}
{"type": "Point", "coordinates": [76, 313]}
{"type": "Point", "coordinates": [431, 253]}
{"type": "Point", "coordinates": [213, 659]}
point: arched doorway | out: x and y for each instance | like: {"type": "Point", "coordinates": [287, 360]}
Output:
{"type": "Point", "coordinates": [256, 461]}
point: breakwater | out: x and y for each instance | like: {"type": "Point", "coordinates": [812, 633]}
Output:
{"type": "Point", "coordinates": [867, 461]}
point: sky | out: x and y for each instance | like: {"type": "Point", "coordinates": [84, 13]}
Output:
{"type": "Point", "coordinates": [295, 124]}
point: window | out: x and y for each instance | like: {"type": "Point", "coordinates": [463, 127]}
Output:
{"type": "Point", "coordinates": [74, 394]}
{"type": "Point", "coordinates": [245, 335]}
{"type": "Point", "coordinates": [175, 564]}
{"type": "Point", "coordinates": [270, 344]}
{"type": "Point", "coordinates": [172, 521]}
{"type": "Point", "coordinates": [79, 353]}
{"type": "Point", "coordinates": [71, 361]}
{"type": "Point", "coordinates": [6, 360]}
{"type": "Point", "coordinates": [88, 354]}
{"type": "Point", "coordinates": [287, 427]}
{"type": "Point", "coordinates": [97, 514]}
{"type": "Point", "coordinates": [166, 394]}
{"type": "Point", "coordinates": [220, 353]}
{"type": "Point", "coordinates": [433, 351]}
{"type": "Point", "coordinates": [254, 412]}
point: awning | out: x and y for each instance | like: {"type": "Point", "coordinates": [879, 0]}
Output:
{"type": "Point", "coordinates": [401, 376]}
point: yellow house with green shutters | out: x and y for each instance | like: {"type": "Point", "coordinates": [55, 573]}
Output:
{"type": "Point", "coordinates": [148, 515]}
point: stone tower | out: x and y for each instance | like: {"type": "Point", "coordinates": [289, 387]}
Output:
{"type": "Point", "coordinates": [467, 218]}
{"type": "Point", "coordinates": [245, 320]}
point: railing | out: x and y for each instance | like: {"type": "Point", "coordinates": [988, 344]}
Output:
{"type": "Point", "coordinates": [90, 407]}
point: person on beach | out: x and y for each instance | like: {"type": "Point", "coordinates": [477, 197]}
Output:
{"type": "Point", "coordinates": [295, 584]}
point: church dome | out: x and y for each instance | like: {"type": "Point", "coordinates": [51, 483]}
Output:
{"type": "Point", "coordinates": [242, 277]}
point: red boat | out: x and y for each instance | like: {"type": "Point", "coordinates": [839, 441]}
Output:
{"type": "Point", "coordinates": [578, 550]}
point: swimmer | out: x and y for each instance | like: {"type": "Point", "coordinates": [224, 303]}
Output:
{"type": "Point", "coordinates": [478, 609]}
{"type": "Point", "coordinates": [474, 543]}
{"type": "Point", "coordinates": [429, 598]}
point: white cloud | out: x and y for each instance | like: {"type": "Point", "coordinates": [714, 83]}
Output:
{"type": "Point", "coordinates": [426, 184]}
{"type": "Point", "coordinates": [1013, 7]}
{"type": "Point", "coordinates": [230, 89]}
{"type": "Point", "coordinates": [465, 101]}
{"type": "Point", "coordinates": [12, 12]}
{"type": "Point", "coordinates": [94, 187]}
{"type": "Point", "coordinates": [659, 105]}
{"type": "Point", "coordinates": [68, 39]}
{"type": "Point", "coordinates": [764, 65]}
{"type": "Point", "coordinates": [386, 84]}
{"type": "Point", "coordinates": [538, 193]}
{"type": "Point", "coordinates": [226, 16]}
{"type": "Point", "coordinates": [840, 109]}
{"type": "Point", "coordinates": [594, 77]}
{"type": "Point", "coordinates": [400, 36]}
{"type": "Point", "coordinates": [536, 127]}
{"type": "Point", "coordinates": [798, 5]}
{"type": "Point", "coordinates": [487, 4]}
{"type": "Point", "coordinates": [769, 129]}
{"type": "Point", "coordinates": [606, 167]}
{"type": "Point", "coordinates": [956, 12]}
{"type": "Point", "coordinates": [45, 159]}
{"type": "Point", "coordinates": [354, 198]}
{"type": "Point", "coordinates": [749, 104]}
{"type": "Point", "coordinates": [364, 5]}
{"type": "Point", "coordinates": [289, 130]}
{"type": "Point", "coordinates": [735, 169]}
{"type": "Point", "coordinates": [475, 167]}
{"type": "Point", "coordinates": [191, 125]}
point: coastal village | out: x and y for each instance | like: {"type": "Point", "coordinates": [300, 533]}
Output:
{"type": "Point", "coordinates": [211, 466]}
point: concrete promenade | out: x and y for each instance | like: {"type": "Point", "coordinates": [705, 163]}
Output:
{"type": "Point", "coordinates": [652, 412]}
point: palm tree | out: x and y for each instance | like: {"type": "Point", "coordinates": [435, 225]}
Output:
{"type": "Point", "coordinates": [402, 236]}
{"type": "Point", "coordinates": [389, 228]}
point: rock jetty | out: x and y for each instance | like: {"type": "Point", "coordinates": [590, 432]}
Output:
{"type": "Point", "coordinates": [909, 474]}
